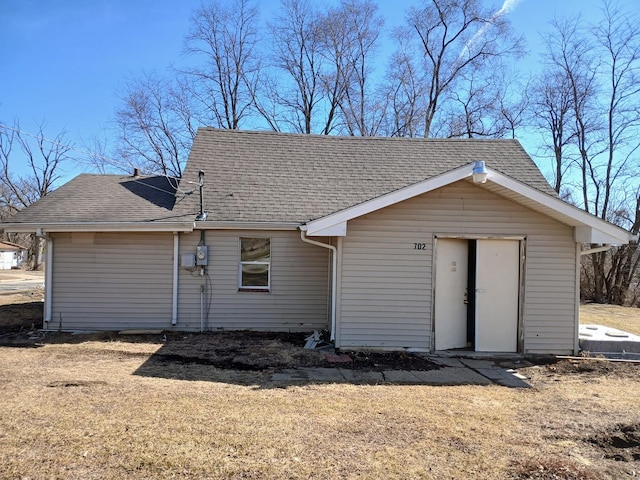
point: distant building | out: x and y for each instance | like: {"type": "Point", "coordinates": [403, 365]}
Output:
{"type": "Point", "coordinates": [11, 255]}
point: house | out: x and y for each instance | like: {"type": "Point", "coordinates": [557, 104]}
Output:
{"type": "Point", "coordinates": [390, 243]}
{"type": "Point", "coordinates": [12, 255]}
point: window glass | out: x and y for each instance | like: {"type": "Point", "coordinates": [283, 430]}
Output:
{"type": "Point", "coordinates": [255, 249]}
{"type": "Point", "coordinates": [255, 263]}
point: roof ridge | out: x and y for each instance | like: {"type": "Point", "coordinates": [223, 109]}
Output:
{"type": "Point", "coordinates": [224, 131]}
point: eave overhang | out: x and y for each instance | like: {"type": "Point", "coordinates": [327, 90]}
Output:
{"type": "Point", "coordinates": [587, 228]}
{"type": "Point", "coordinates": [229, 225]}
{"type": "Point", "coordinates": [99, 227]}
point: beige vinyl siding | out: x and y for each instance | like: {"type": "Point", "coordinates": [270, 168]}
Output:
{"type": "Point", "coordinates": [112, 281]}
{"type": "Point", "coordinates": [297, 300]}
{"type": "Point", "coordinates": [386, 285]}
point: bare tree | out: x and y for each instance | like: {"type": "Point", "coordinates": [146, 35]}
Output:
{"type": "Point", "coordinates": [455, 37]}
{"type": "Point", "coordinates": [619, 38]}
{"type": "Point", "coordinates": [597, 69]}
{"type": "Point", "coordinates": [323, 59]}
{"type": "Point", "coordinates": [552, 114]}
{"type": "Point", "coordinates": [296, 53]}
{"type": "Point", "coordinates": [43, 156]}
{"type": "Point", "coordinates": [484, 105]}
{"type": "Point", "coordinates": [154, 126]}
{"type": "Point", "coordinates": [573, 53]}
{"type": "Point", "coordinates": [41, 159]}
{"type": "Point", "coordinates": [514, 106]}
{"type": "Point", "coordinates": [224, 39]}
{"type": "Point", "coordinates": [405, 92]}
{"type": "Point", "coordinates": [362, 109]}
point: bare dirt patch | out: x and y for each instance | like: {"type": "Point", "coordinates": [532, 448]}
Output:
{"type": "Point", "coordinates": [620, 442]}
{"type": "Point", "coordinates": [74, 383]}
{"type": "Point", "coordinates": [20, 312]}
{"type": "Point", "coordinates": [591, 368]}
{"type": "Point", "coordinates": [21, 319]}
{"type": "Point", "coordinates": [552, 468]}
{"type": "Point", "coordinates": [266, 351]}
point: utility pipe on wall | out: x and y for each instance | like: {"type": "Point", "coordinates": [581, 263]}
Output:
{"type": "Point", "coordinates": [201, 308]}
{"type": "Point", "coordinates": [48, 275]}
{"type": "Point", "coordinates": [334, 277]}
{"type": "Point", "coordinates": [603, 248]}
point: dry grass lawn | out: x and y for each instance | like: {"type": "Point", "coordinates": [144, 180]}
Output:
{"type": "Point", "coordinates": [83, 410]}
{"type": "Point", "coordinates": [107, 409]}
{"type": "Point", "coordinates": [622, 318]}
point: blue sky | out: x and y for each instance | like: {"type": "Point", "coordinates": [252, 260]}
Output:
{"type": "Point", "coordinates": [63, 61]}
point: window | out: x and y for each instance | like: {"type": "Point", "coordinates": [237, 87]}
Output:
{"type": "Point", "coordinates": [255, 264]}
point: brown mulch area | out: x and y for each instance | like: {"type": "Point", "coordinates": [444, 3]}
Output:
{"type": "Point", "coordinates": [21, 319]}
{"type": "Point", "coordinates": [379, 361]}
{"type": "Point", "coordinates": [23, 313]}
{"type": "Point", "coordinates": [231, 350]}
{"type": "Point", "coordinates": [620, 442]}
{"type": "Point", "coordinates": [253, 351]}
{"type": "Point", "coordinates": [259, 351]}
{"type": "Point", "coordinates": [554, 468]}
{"type": "Point", "coordinates": [591, 368]}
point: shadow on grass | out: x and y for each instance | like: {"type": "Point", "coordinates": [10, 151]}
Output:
{"type": "Point", "coordinates": [262, 360]}
{"type": "Point", "coordinates": [274, 360]}
{"type": "Point", "coordinates": [21, 316]}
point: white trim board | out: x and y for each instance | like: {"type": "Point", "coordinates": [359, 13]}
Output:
{"type": "Point", "coordinates": [100, 227]}
{"type": "Point", "coordinates": [590, 229]}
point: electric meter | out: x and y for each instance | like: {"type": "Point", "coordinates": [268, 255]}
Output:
{"type": "Point", "coordinates": [202, 255]}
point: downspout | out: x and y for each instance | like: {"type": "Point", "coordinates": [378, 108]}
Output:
{"type": "Point", "coordinates": [176, 271]}
{"type": "Point", "coordinates": [48, 276]}
{"type": "Point", "coordinates": [334, 277]}
{"type": "Point", "coordinates": [576, 323]}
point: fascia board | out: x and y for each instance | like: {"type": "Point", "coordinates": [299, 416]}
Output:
{"type": "Point", "coordinates": [600, 228]}
{"type": "Point", "coordinates": [99, 227]}
{"type": "Point", "coordinates": [585, 234]}
{"type": "Point", "coordinates": [582, 219]}
{"type": "Point", "coordinates": [335, 219]}
{"type": "Point", "coordinates": [215, 225]}
{"type": "Point", "coordinates": [337, 230]}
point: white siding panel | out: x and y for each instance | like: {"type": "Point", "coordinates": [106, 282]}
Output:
{"type": "Point", "coordinates": [385, 280]}
{"type": "Point", "coordinates": [299, 296]}
{"type": "Point", "coordinates": [112, 282]}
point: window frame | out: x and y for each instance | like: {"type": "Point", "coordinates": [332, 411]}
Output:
{"type": "Point", "coordinates": [241, 263]}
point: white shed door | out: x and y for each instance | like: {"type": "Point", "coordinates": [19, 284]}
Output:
{"type": "Point", "coordinates": [497, 294]}
{"type": "Point", "coordinates": [452, 257]}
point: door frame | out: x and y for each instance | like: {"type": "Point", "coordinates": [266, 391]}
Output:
{"type": "Point", "coordinates": [521, 287]}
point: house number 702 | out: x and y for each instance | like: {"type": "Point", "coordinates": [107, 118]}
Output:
{"type": "Point", "coordinates": [419, 246]}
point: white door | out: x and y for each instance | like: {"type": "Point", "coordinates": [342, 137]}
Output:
{"type": "Point", "coordinates": [497, 295]}
{"type": "Point", "coordinates": [452, 256]}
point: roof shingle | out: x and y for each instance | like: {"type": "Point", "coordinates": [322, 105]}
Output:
{"type": "Point", "coordinates": [276, 177]}
{"type": "Point", "coordinates": [104, 198]}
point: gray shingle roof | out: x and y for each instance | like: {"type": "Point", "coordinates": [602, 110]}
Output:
{"type": "Point", "coordinates": [267, 176]}
{"type": "Point", "coordinates": [104, 198]}
{"type": "Point", "coordinates": [276, 177]}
